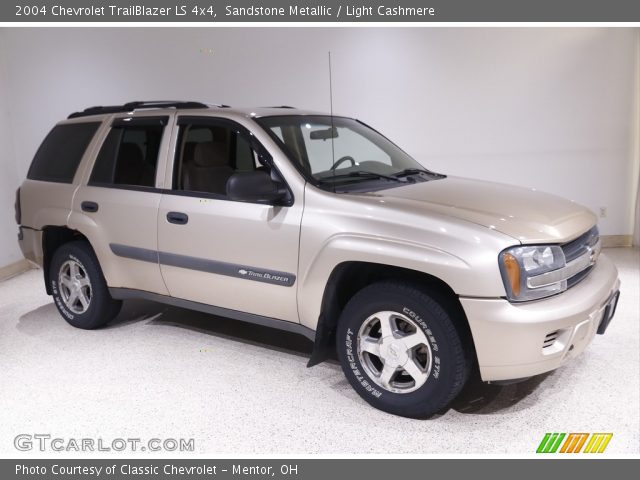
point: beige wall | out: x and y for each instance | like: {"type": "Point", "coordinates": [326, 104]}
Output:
{"type": "Point", "coordinates": [9, 251]}
{"type": "Point", "coordinates": [635, 159]}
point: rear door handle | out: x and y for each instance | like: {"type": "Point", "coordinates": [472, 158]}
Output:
{"type": "Point", "coordinates": [178, 218]}
{"type": "Point", "coordinates": [89, 207]}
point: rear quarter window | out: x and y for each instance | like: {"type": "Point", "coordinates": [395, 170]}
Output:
{"type": "Point", "coordinates": [58, 157]}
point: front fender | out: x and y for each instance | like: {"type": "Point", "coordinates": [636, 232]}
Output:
{"type": "Point", "coordinates": [459, 274]}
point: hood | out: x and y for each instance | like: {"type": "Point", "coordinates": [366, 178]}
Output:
{"type": "Point", "coordinates": [524, 214]}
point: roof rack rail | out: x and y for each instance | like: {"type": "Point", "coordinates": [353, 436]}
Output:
{"type": "Point", "coordinates": [281, 106]}
{"type": "Point", "coordinates": [131, 106]}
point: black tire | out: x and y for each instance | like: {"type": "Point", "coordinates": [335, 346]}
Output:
{"type": "Point", "coordinates": [100, 308]}
{"type": "Point", "coordinates": [448, 365]}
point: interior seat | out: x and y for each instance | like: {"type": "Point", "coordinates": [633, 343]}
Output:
{"type": "Point", "coordinates": [209, 170]}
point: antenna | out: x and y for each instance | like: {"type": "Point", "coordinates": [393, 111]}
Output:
{"type": "Point", "coordinates": [333, 152]}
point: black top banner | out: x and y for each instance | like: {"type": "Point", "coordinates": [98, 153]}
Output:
{"type": "Point", "coordinates": [426, 11]}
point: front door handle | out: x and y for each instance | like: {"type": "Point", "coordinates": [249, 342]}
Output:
{"type": "Point", "coordinates": [89, 207]}
{"type": "Point", "coordinates": [178, 218]}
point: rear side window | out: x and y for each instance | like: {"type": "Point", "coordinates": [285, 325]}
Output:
{"type": "Point", "coordinates": [129, 156]}
{"type": "Point", "coordinates": [58, 157]}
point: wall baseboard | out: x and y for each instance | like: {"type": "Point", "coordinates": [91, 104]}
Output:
{"type": "Point", "coordinates": [14, 269]}
{"type": "Point", "coordinates": [609, 241]}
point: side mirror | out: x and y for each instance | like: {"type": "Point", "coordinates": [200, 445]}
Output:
{"type": "Point", "coordinates": [256, 186]}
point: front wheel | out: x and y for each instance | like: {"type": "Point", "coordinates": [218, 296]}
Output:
{"type": "Point", "coordinates": [400, 350]}
{"type": "Point", "coordinates": [79, 288]}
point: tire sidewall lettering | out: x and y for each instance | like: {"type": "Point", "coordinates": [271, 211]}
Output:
{"type": "Point", "coordinates": [435, 367]}
{"type": "Point", "coordinates": [360, 376]}
{"type": "Point", "coordinates": [62, 308]}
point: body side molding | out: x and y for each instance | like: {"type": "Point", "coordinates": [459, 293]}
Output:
{"type": "Point", "coordinates": [135, 253]}
{"type": "Point", "coordinates": [245, 272]}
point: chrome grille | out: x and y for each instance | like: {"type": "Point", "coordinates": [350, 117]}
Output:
{"type": "Point", "coordinates": [577, 247]}
{"type": "Point", "coordinates": [586, 244]}
{"type": "Point", "coordinates": [580, 254]}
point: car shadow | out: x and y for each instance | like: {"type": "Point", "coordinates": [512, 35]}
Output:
{"type": "Point", "coordinates": [155, 314]}
{"type": "Point", "coordinates": [136, 311]}
{"type": "Point", "coordinates": [46, 319]}
{"type": "Point", "coordinates": [38, 319]}
{"type": "Point", "coordinates": [477, 397]}
{"type": "Point", "coordinates": [482, 398]}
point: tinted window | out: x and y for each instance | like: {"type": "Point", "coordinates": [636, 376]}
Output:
{"type": "Point", "coordinates": [208, 155]}
{"type": "Point", "coordinates": [244, 156]}
{"type": "Point", "coordinates": [129, 156]}
{"type": "Point", "coordinates": [58, 157]}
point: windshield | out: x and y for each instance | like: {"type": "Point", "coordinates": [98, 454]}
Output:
{"type": "Point", "coordinates": [342, 151]}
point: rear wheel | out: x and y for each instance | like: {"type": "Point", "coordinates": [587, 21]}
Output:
{"type": "Point", "coordinates": [79, 289]}
{"type": "Point", "coordinates": [400, 350]}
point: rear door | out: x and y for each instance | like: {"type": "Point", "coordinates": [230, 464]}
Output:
{"type": "Point", "coordinates": [117, 205]}
{"type": "Point", "coordinates": [235, 255]}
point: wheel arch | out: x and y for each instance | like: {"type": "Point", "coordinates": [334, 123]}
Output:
{"type": "Point", "coordinates": [53, 237]}
{"type": "Point", "coordinates": [348, 278]}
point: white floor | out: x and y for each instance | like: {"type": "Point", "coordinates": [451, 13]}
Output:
{"type": "Point", "coordinates": [170, 373]}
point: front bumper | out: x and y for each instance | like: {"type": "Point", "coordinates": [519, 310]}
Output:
{"type": "Point", "coordinates": [526, 339]}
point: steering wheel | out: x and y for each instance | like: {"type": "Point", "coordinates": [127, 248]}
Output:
{"type": "Point", "coordinates": [341, 160]}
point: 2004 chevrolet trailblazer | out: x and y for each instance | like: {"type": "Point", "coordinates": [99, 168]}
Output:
{"type": "Point", "coordinates": [318, 225]}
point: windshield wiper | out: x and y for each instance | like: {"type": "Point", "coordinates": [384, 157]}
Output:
{"type": "Point", "coordinates": [360, 174]}
{"type": "Point", "coordinates": [413, 171]}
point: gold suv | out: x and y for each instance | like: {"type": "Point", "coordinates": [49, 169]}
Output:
{"type": "Point", "coordinates": [319, 225]}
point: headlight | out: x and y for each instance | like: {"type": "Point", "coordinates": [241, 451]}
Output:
{"type": "Point", "coordinates": [519, 265]}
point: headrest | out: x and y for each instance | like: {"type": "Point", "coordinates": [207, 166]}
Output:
{"type": "Point", "coordinates": [211, 154]}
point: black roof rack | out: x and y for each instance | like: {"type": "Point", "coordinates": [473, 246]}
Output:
{"type": "Point", "coordinates": [281, 106]}
{"type": "Point", "coordinates": [131, 106]}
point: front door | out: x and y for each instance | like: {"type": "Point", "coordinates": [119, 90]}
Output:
{"type": "Point", "coordinates": [235, 255]}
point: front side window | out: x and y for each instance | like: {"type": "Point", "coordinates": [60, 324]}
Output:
{"type": "Point", "coordinates": [209, 153]}
{"type": "Point", "coordinates": [339, 150]}
{"type": "Point", "coordinates": [129, 156]}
